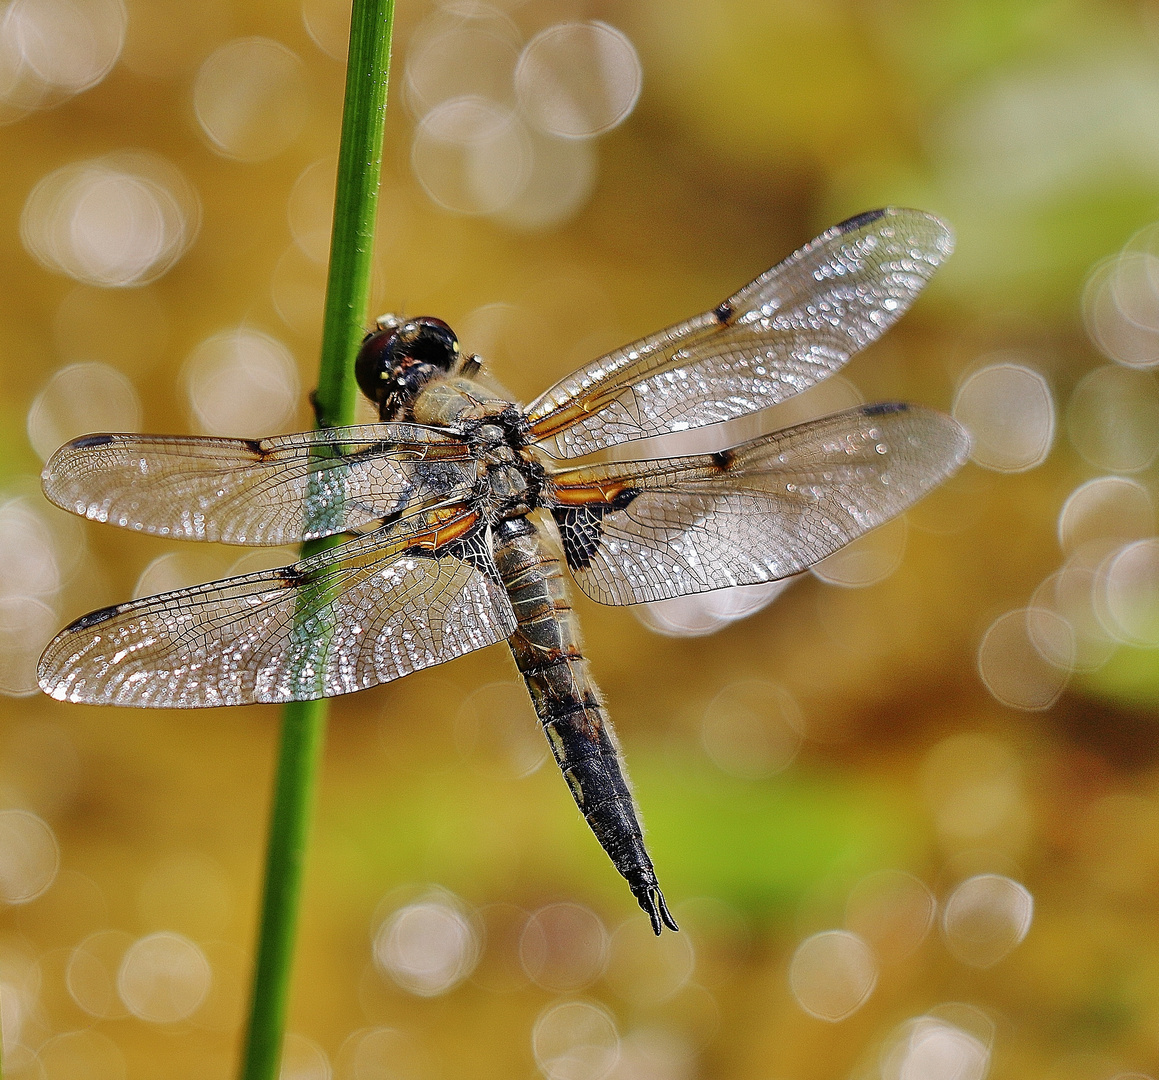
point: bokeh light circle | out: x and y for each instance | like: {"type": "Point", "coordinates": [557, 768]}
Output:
{"type": "Point", "coordinates": [575, 1040]}
{"type": "Point", "coordinates": [563, 947]}
{"type": "Point", "coordinates": [647, 970]}
{"type": "Point", "coordinates": [174, 570]}
{"type": "Point", "coordinates": [81, 399]}
{"type": "Point", "coordinates": [985, 917]}
{"type": "Point", "coordinates": [1008, 410]}
{"type": "Point", "coordinates": [1121, 308]}
{"type": "Point", "coordinates": [428, 947]}
{"type": "Point", "coordinates": [29, 856]}
{"type": "Point", "coordinates": [496, 729]}
{"type": "Point", "coordinates": [1113, 418]}
{"type": "Point", "coordinates": [310, 210]}
{"type": "Point", "coordinates": [384, 1053]}
{"type": "Point", "coordinates": [867, 560]}
{"type": "Point", "coordinates": [465, 51]}
{"type": "Point", "coordinates": [931, 1048]}
{"type": "Point", "coordinates": [1131, 594]}
{"type": "Point", "coordinates": [251, 98]}
{"type": "Point", "coordinates": [27, 625]}
{"type": "Point", "coordinates": [1106, 508]}
{"type": "Point", "coordinates": [973, 783]}
{"type": "Point", "coordinates": [1026, 657]}
{"type": "Point", "coordinates": [892, 911]}
{"type": "Point", "coordinates": [832, 974]}
{"type": "Point", "coordinates": [579, 79]}
{"type": "Point", "coordinates": [1076, 594]}
{"type": "Point", "coordinates": [562, 177]}
{"type": "Point", "coordinates": [303, 1059]}
{"type": "Point", "coordinates": [752, 729]}
{"type": "Point", "coordinates": [656, 1052]}
{"type": "Point", "coordinates": [163, 978]}
{"type": "Point", "coordinates": [471, 155]}
{"type": "Point", "coordinates": [91, 974]}
{"type": "Point", "coordinates": [242, 383]}
{"type": "Point", "coordinates": [328, 24]}
{"type": "Point", "coordinates": [120, 220]}
{"type": "Point", "coordinates": [705, 613]}
{"type": "Point", "coordinates": [30, 566]}
{"type": "Point", "coordinates": [298, 290]}
{"type": "Point", "coordinates": [52, 49]}
{"type": "Point", "coordinates": [81, 1055]}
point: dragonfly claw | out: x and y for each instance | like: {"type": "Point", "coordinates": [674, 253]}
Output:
{"type": "Point", "coordinates": [651, 899]}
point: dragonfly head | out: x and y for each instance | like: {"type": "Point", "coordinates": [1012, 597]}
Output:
{"type": "Point", "coordinates": [397, 359]}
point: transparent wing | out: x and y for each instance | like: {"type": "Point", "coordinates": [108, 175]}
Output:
{"type": "Point", "coordinates": [792, 327]}
{"type": "Point", "coordinates": [650, 530]}
{"type": "Point", "coordinates": [274, 491]}
{"type": "Point", "coordinates": [372, 610]}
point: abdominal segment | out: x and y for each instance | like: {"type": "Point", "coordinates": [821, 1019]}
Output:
{"type": "Point", "coordinates": [548, 651]}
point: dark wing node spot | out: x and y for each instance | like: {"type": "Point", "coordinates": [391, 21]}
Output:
{"type": "Point", "coordinates": [85, 441]}
{"type": "Point", "coordinates": [254, 446]}
{"type": "Point", "coordinates": [858, 221]}
{"type": "Point", "coordinates": [883, 408]}
{"type": "Point", "coordinates": [581, 527]}
{"type": "Point", "coordinates": [95, 618]}
{"type": "Point", "coordinates": [723, 312]}
{"type": "Point", "coordinates": [723, 459]}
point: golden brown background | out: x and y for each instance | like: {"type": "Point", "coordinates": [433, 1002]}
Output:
{"type": "Point", "coordinates": [1030, 126]}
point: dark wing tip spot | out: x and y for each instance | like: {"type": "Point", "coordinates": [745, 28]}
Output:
{"type": "Point", "coordinates": [884, 408]}
{"type": "Point", "coordinates": [85, 441]}
{"type": "Point", "coordinates": [95, 618]}
{"type": "Point", "coordinates": [860, 220]}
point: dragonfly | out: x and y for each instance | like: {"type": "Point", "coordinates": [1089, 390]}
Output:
{"type": "Point", "coordinates": [443, 510]}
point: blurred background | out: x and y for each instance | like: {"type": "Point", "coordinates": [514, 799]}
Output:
{"type": "Point", "coordinates": [906, 810]}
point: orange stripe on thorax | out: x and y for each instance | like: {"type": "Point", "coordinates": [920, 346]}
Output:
{"type": "Point", "coordinates": [457, 525]}
{"type": "Point", "coordinates": [582, 494]}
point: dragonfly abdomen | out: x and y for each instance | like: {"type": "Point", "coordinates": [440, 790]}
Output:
{"type": "Point", "coordinates": [549, 653]}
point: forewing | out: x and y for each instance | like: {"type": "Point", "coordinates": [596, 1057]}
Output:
{"type": "Point", "coordinates": [650, 530]}
{"type": "Point", "coordinates": [273, 491]}
{"type": "Point", "coordinates": [792, 327]}
{"type": "Point", "coordinates": [372, 610]}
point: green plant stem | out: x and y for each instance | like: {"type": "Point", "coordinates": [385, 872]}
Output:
{"type": "Point", "coordinates": [304, 722]}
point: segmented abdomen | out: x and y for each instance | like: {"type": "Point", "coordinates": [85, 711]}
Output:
{"type": "Point", "coordinates": [548, 651]}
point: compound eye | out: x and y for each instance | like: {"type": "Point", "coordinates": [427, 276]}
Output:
{"type": "Point", "coordinates": [374, 368]}
{"type": "Point", "coordinates": [400, 358]}
{"type": "Point", "coordinates": [428, 341]}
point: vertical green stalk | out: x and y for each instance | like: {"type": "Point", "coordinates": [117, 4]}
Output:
{"type": "Point", "coordinates": [304, 722]}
